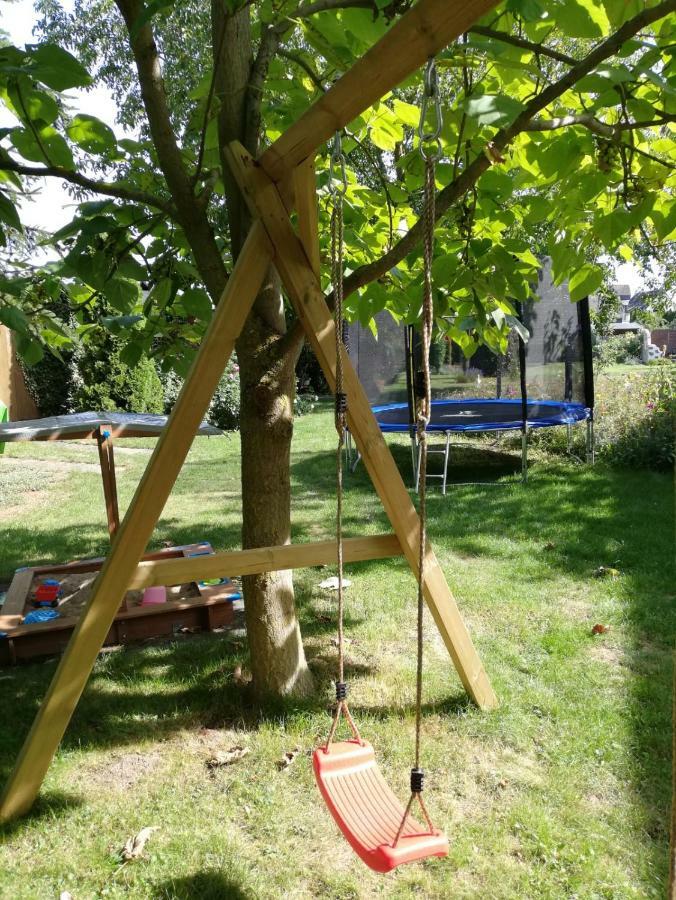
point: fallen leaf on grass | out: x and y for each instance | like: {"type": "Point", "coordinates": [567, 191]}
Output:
{"type": "Point", "coordinates": [346, 641]}
{"type": "Point", "coordinates": [600, 629]}
{"type": "Point", "coordinates": [241, 676]}
{"type": "Point", "coordinates": [227, 757]}
{"type": "Point", "coordinates": [135, 845]}
{"type": "Point", "coordinates": [288, 758]}
{"type": "Point", "coordinates": [331, 584]}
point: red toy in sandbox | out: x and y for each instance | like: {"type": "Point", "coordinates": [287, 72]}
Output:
{"type": "Point", "coordinates": [47, 593]}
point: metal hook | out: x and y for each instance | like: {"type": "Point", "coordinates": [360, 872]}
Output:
{"type": "Point", "coordinates": [337, 181]}
{"type": "Point", "coordinates": [431, 93]}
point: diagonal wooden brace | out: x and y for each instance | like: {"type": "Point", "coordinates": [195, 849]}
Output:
{"type": "Point", "coordinates": [302, 286]}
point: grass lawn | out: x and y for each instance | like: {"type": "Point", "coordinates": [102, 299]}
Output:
{"type": "Point", "coordinates": [563, 792]}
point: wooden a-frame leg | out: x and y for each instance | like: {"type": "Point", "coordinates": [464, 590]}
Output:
{"type": "Point", "coordinates": [303, 288]}
{"type": "Point", "coordinates": [131, 540]}
{"type": "Point", "coordinates": [104, 442]}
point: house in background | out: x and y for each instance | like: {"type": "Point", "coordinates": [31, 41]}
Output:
{"type": "Point", "coordinates": [13, 391]}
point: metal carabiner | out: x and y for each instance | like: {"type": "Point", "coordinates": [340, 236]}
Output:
{"type": "Point", "coordinates": [431, 93]}
{"type": "Point", "coordinates": [337, 181]}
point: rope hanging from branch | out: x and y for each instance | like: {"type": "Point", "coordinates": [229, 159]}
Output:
{"type": "Point", "coordinates": [337, 188]}
{"type": "Point", "coordinates": [430, 149]}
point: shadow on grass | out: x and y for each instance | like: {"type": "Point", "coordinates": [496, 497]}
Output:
{"type": "Point", "coordinates": [52, 805]}
{"type": "Point", "coordinates": [207, 885]}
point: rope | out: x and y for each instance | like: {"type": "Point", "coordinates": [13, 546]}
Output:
{"type": "Point", "coordinates": [337, 247]}
{"type": "Point", "coordinates": [430, 155]}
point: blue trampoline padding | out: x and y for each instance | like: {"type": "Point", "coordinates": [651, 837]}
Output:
{"type": "Point", "coordinates": [483, 415]}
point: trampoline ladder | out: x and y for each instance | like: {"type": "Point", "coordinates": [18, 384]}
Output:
{"type": "Point", "coordinates": [439, 451]}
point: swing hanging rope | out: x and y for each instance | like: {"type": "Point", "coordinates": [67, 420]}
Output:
{"type": "Point", "coordinates": [430, 149]}
{"type": "Point", "coordinates": [338, 188]}
{"type": "Point", "coordinates": [375, 823]}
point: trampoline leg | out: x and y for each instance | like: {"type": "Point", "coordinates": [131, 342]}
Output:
{"type": "Point", "coordinates": [414, 461]}
{"type": "Point", "coordinates": [569, 431]}
{"type": "Point", "coordinates": [446, 454]}
{"type": "Point", "coordinates": [417, 467]}
{"type": "Point", "coordinates": [590, 442]}
{"type": "Point", "coordinates": [524, 454]}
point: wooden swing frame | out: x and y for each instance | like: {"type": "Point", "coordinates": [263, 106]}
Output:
{"type": "Point", "coordinates": [281, 180]}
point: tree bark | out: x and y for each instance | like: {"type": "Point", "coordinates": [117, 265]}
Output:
{"type": "Point", "coordinates": [267, 385]}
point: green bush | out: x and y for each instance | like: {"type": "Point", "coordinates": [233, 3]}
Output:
{"type": "Point", "coordinates": [94, 378]}
{"type": "Point", "coordinates": [53, 383]}
{"type": "Point", "coordinates": [106, 383]}
{"type": "Point", "coordinates": [634, 420]}
{"type": "Point", "coordinates": [636, 416]}
{"type": "Point", "coordinates": [621, 348]}
{"type": "Point", "coordinates": [224, 408]}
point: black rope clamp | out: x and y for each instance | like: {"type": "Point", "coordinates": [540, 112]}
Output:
{"type": "Point", "coordinates": [341, 691]}
{"type": "Point", "coordinates": [417, 781]}
{"type": "Point", "coordinates": [341, 404]}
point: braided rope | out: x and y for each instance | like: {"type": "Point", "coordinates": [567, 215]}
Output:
{"type": "Point", "coordinates": [423, 414]}
{"type": "Point", "coordinates": [337, 247]}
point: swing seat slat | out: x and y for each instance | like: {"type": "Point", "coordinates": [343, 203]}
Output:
{"type": "Point", "coordinates": [367, 811]}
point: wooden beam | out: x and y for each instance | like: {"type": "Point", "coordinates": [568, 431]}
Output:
{"type": "Point", "coordinates": [422, 32]}
{"type": "Point", "coordinates": [104, 443]}
{"type": "Point", "coordinates": [305, 293]}
{"type": "Point", "coordinates": [145, 509]}
{"type": "Point", "coordinates": [262, 559]}
{"type": "Point", "coordinates": [11, 611]}
{"type": "Point", "coordinates": [305, 191]}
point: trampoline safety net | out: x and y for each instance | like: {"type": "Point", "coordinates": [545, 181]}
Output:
{"type": "Point", "coordinates": [554, 357]}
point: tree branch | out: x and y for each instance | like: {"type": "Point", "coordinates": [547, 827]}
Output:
{"type": "Point", "coordinates": [98, 187]}
{"type": "Point", "coordinates": [469, 176]}
{"type": "Point", "coordinates": [310, 9]}
{"type": "Point", "coordinates": [538, 49]}
{"type": "Point", "coordinates": [298, 60]}
{"type": "Point", "coordinates": [190, 212]}
{"type": "Point", "coordinates": [602, 129]}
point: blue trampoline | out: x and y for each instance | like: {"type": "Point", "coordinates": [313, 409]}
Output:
{"type": "Point", "coordinates": [477, 415]}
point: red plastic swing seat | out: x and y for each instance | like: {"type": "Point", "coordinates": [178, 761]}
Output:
{"type": "Point", "coordinates": [366, 810]}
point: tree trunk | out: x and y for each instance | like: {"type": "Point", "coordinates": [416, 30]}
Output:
{"type": "Point", "coordinates": [267, 385]}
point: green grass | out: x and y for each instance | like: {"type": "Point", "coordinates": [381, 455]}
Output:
{"type": "Point", "coordinates": [563, 792]}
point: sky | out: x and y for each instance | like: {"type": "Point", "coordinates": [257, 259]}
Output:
{"type": "Point", "coordinates": [51, 206]}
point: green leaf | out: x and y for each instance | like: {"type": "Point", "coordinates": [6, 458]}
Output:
{"type": "Point", "coordinates": [197, 303]}
{"type": "Point", "coordinates": [529, 10]}
{"type": "Point", "coordinates": [131, 354]}
{"type": "Point", "coordinates": [57, 68]}
{"type": "Point", "coordinates": [118, 324]}
{"type": "Point", "coordinates": [51, 148]}
{"type": "Point", "coordinates": [121, 293]}
{"type": "Point", "coordinates": [14, 318]}
{"type": "Point", "coordinates": [585, 281]}
{"type": "Point", "coordinates": [91, 134]}
{"type": "Point", "coordinates": [493, 109]}
{"type": "Point", "coordinates": [160, 294]}
{"type": "Point", "coordinates": [30, 350]}
{"type": "Point", "coordinates": [8, 213]}
{"type": "Point", "coordinates": [582, 18]}
{"type": "Point", "coordinates": [32, 105]}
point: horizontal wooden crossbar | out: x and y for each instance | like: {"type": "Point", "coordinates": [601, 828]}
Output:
{"type": "Point", "coordinates": [262, 559]}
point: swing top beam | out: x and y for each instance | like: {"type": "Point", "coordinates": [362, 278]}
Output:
{"type": "Point", "coordinates": [422, 32]}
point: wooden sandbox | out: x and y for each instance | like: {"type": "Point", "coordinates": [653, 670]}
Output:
{"type": "Point", "coordinates": [193, 606]}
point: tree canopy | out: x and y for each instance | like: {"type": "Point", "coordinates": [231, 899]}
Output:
{"type": "Point", "coordinates": [558, 138]}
